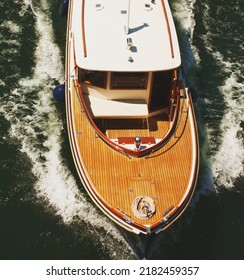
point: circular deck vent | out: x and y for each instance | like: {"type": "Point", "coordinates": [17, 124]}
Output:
{"type": "Point", "coordinates": [143, 207]}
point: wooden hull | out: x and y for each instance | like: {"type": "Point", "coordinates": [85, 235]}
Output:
{"type": "Point", "coordinates": [113, 179]}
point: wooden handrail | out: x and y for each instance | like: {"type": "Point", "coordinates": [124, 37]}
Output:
{"type": "Point", "coordinates": [168, 28]}
{"type": "Point", "coordinates": [83, 28]}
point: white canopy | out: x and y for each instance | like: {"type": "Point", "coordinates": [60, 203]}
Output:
{"type": "Point", "coordinates": [150, 45]}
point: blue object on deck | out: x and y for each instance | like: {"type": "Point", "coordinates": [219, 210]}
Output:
{"type": "Point", "coordinates": [59, 92]}
{"type": "Point", "coordinates": [63, 10]}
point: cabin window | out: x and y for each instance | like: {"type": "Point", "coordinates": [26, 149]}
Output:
{"type": "Point", "coordinates": [129, 80]}
{"type": "Point", "coordinates": [94, 78]}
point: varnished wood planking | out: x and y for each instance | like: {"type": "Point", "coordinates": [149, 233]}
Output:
{"type": "Point", "coordinates": [109, 170]}
{"type": "Point", "coordinates": [126, 128]}
{"type": "Point", "coordinates": [158, 127]}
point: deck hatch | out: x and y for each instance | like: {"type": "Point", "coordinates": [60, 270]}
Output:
{"type": "Point", "coordinates": [139, 186]}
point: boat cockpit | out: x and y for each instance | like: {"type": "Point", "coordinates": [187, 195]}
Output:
{"type": "Point", "coordinates": [124, 105]}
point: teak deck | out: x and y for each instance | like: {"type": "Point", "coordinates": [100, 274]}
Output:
{"type": "Point", "coordinates": [164, 175]}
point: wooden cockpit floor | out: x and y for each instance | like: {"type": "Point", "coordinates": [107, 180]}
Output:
{"type": "Point", "coordinates": [117, 180]}
{"type": "Point", "coordinates": [156, 126]}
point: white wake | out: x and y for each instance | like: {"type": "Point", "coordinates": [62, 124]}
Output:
{"type": "Point", "coordinates": [37, 124]}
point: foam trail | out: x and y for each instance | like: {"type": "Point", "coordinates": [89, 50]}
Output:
{"type": "Point", "coordinates": [12, 26]}
{"type": "Point", "coordinates": [12, 42]}
{"type": "Point", "coordinates": [184, 15]}
{"type": "Point", "coordinates": [183, 12]}
{"type": "Point", "coordinates": [36, 123]}
{"type": "Point", "coordinates": [32, 8]}
{"type": "Point", "coordinates": [227, 163]}
{"type": "Point", "coordinates": [26, 4]}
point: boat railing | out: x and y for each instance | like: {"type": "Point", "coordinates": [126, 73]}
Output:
{"type": "Point", "coordinates": [125, 150]}
{"type": "Point", "coordinates": [183, 108]}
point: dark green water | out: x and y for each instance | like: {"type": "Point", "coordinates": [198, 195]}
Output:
{"type": "Point", "coordinates": [44, 211]}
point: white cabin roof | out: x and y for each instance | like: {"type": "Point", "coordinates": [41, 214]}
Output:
{"type": "Point", "coordinates": [103, 44]}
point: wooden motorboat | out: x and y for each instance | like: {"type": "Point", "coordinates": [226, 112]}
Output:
{"type": "Point", "coordinates": [130, 116]}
